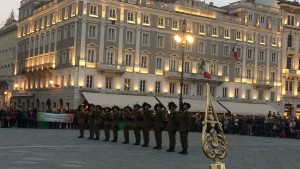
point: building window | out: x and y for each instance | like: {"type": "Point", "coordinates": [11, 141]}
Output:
{"type": "Point", "coordinates": [146, 20]}
{"type": "Point", "coordinates": [260, 94]}
{"type": "Point", "coordinates": [130, 17]}
{"type": "Point", "coordinates": [225, 70]}
{"type": "Point", "coordinates": [289, 63]}
{"type": "Point", "coordinates": [262, 20]}
{"type": "Point", "coordinates": [249, 73]}
{"type": "Point", "coordinates": [290, 41]}
{"type": "Point", "coordinates": [213, 91]}
{"type": "Point", "coordinates": [274, 57]}
{"type": "Point", "coordinates": [64, 58]}
{"type": "Point", "coordinates": [128, 59]}
{"type": "Point", "coordinates": [226, 51]}
{"type": "Point", "coordinates": [159, 63]}
{"type": "Point", "coordinates": [201, 47]}
{"type": "Point", "coordinates": [66, 13]}
{"type": "Point", "coordinates": [143, 85]}
{"type": "Point", "coordinates": [173, 66]}
{"type": "Point", "coordinates": [225, 90]}
{"type": "Point", "coordinates": [214, 31]}
{"type": "Point", "coordinates": [250, 37]}
{"type": "Point", "coordinates": [145, 39]}
{"type": "Point", "coordinates": [161, 22]}
{"type": "Point", "coordinates": [274, 41]}
{"type": "Point", "coordinates": [130, 37]}
{"type": "Point", "coordinates": [66, 32]}
{"type": "Point", "coordinates": [92, 31]}
{"type": "Point", "coordinates": [249, 54]}
{"type": "Point", "coordinates": [144, 61]}
{"type": "Point", "coordinates": [54, 15]}
{"type": "Point", "coordinates": [289, 86]}
{"type": "Point", "coordinates": [160, 41]}
{"type": "Point", "coordinates": [273, 76]}
{"type": "Point", "coordinates": [250, 17]}
{"type": "Point", "coordinates": [73, 12]}
{"type": "Point", "coordinates": [174, 44]}
{"type": "Point", "coordinates": [108, 82]}
{"type": "Point", "coordinates": [93, 10]}
{"type": "Point", "coordinates": [239, 35]}
{"type": "Point", "coordinates": [272, 96]}
{"type": "Point", "coordinates": [175, 25]}
{"type": "Point", "coordinates": [58, 34]}
{"type": "Point", "coordinates": [188, 47]}
{"type": "Point", "coordinates": [172, 88]}
{"type": "Point", "coordinates": [213, 69]}
{"type": "Point", "coordinates": [157, 87]}
{"type": "Point", "coordinates": [262, 56]}
{"type": "Point", "coordinates": [91, 55]}
{"type": "Point", "coordinates": [72, 31]}
{"type": "Point", "coordinates": [186, 67]}
{"type": "Point", "coordinates": [227, 33]}
{"type": "Point", "coordinates": [263, 39]}
{"type": "Point", "coordinates": [110, 57]}
{"type": "Point", "coordinates": [42, 25]}
{"type": "Point", "coordinates": [112, 14]}
{"type": "Point", "coordinates": [202, 29]}
{"type": "Point", "coordinates": [291, 20]}
{"type": "Point", "coordinates": [236, 93]}
{"type": "Point", "coordinates": [111, 34]}
{"type": "Point", "coordinates": [214, 49]}
{"type": "Point", "coordinates": [248, 94]}
{"type": "Point", "coordinates": [261, 75]}
{"type": "Point", "coordinates": [199, 90]}
{"type": "Point", "coordinates": [59, 17]}
{"type": "Point", "coordinates": [185, 89]}
{"type": "Point", "coordinates": [89, 81]}
{"type": "Point", "coordinates": [127, 84]}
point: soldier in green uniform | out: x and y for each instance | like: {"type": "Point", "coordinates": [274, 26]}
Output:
{"type": "Point", "coordinates": [184, 127]}
{"type": "Point", "coordinates": [115, 122]}
{"type": "Point", "coordinates": [91, 117]}
{"type": "Point", "coordinates": [81, 116]}
{"type": "Point", "coordinates": [159, 118]}
{"type": "Point", "coordinates": [107, 123]}
{"type": "Point", "coordinates": [97, 121]}
{"type": "Point", "coordinates": [127, 123]}
{"type": "Point", "coordinates": [137, 123]}
{"type": "Point", "coordinates": [172, 126]}
{"type": "Point", "coordinates": [147, 123]}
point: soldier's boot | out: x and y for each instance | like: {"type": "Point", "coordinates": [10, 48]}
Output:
{"type": "Point", "coordinates": [114, 140]}
{"type": "Point", "coordinates": [183, 152]}
{"type": "Point", "coordinates": [145, 145]}
{"type": "Point", "coordinates": [106, 139]}
{"type": "Point", "coordinates": [81, 136]}
{"type": "Point", "coordinates": [137, 143]}
{"type": "Point", "coordinates": [90, 138]}
{"type": "Point", "coordinates": [125, 142]}
{"type": "Point", "coordinates": [171, 150]}
{"type": "Point", "coordinates": [158, 147]}
{"type": "Point", "coordinates": [97, 138]}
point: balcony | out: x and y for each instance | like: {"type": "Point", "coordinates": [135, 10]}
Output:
{"type": "Point", "coordinates": [291, 72]}
{"type": "Point", "coordinates": [176, 75]}
{"type": "Point", "coordinates": [291, 51]}
{"type": "Point", "coordinates": [111, 68]}
{"type": "Point", "coordinates": [38, 67]}
{"type": "Point", "coordinates": [263, 84]}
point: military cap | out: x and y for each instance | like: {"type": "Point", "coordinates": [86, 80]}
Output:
{"type": "Point", "coordinates": [170, 104]}
{"type": "Point", "coordinates": [158, 105]}
{"type": "Point", "coordinates": [146, 104]}
{"type": "Point", "coordinates": [127, 107]}
{"type": "Point", "coordinates": [137, 106]}
{"type": "Point", "coordinates": [188, 105]}
{"type": "Point", "coordinates": [98, 107]}
{"type": "Point", "coordinates": [115, 107]}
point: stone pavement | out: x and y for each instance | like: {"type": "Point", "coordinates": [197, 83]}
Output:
{"type": "Point", "coordinates": [61, 149]}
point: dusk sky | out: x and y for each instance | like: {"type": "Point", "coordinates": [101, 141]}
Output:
{"type": "Point", "coordinates": [7, 5]}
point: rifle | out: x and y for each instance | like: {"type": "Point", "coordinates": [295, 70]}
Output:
{"type": "Point", "coordinates": [160, 102]}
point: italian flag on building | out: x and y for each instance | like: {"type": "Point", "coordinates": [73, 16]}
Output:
{"type": "Point", "coordinates": [202, 68]}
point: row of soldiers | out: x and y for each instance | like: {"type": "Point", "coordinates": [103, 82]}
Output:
{"type": "Point", "coordinates": [140, 119]}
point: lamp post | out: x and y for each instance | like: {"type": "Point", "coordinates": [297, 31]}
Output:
{"type": "Point", "coordinates": [183, 37]}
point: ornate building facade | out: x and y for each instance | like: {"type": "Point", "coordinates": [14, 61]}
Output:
{"type": "Point", "coordinates": [127, 47]}
{"type": "Point", "coordinates": [8, 43]}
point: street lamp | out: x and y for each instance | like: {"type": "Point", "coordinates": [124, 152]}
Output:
{"type": "Point", "coordinates": [183, 37]}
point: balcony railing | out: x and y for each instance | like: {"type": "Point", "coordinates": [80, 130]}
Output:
{"type": "Point", "coordinates": [39, 67]}
{"type": "Point", "coordinates": [110, 68]}
{"type": "Point", "coordinates": [263, 84]}
{"type": "Point", "coordinates": [193, 76]}
{"type": "Point", "coordinates": [291, 51]}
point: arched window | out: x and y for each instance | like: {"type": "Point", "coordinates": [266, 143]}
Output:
{"type": "Point", "coordinates": [290, 41]}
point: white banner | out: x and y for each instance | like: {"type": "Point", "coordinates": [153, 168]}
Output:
{"type": "Point", "coordinates": [50, 117]}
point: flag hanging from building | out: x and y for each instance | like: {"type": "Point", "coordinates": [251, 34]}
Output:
{"type": "Point", "coordinates": [235, 53]}
{"type": "Point", "coordinates": [202, 68]}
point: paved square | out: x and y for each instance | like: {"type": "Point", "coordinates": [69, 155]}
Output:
{"type": "Point", "coordinates": [51, 149]}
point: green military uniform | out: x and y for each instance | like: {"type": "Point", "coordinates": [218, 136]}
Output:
{"type": "Point", "coordinates": [172, 126]}
{"type": "Point", "coordinates": [137, 123]}
{"type": "Point", "coordinates": [147, 123]}
{"type": "Point", "coordinates": [98, 122]}
{"type": "Point", "coordinates": [107, 123]}
{"type": "Point", "coordinates": [81, 116]}
{"type": "Point", "coordinates": [159, 118]}
{"type": "Point", "coordinates": [115, 122]}
{"type": "Point", "coordinates": [184, 127]}
{"type": "Point", "coordinates": [127, 123]}
{"type": "Point", "coordinates": [91, 118]}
